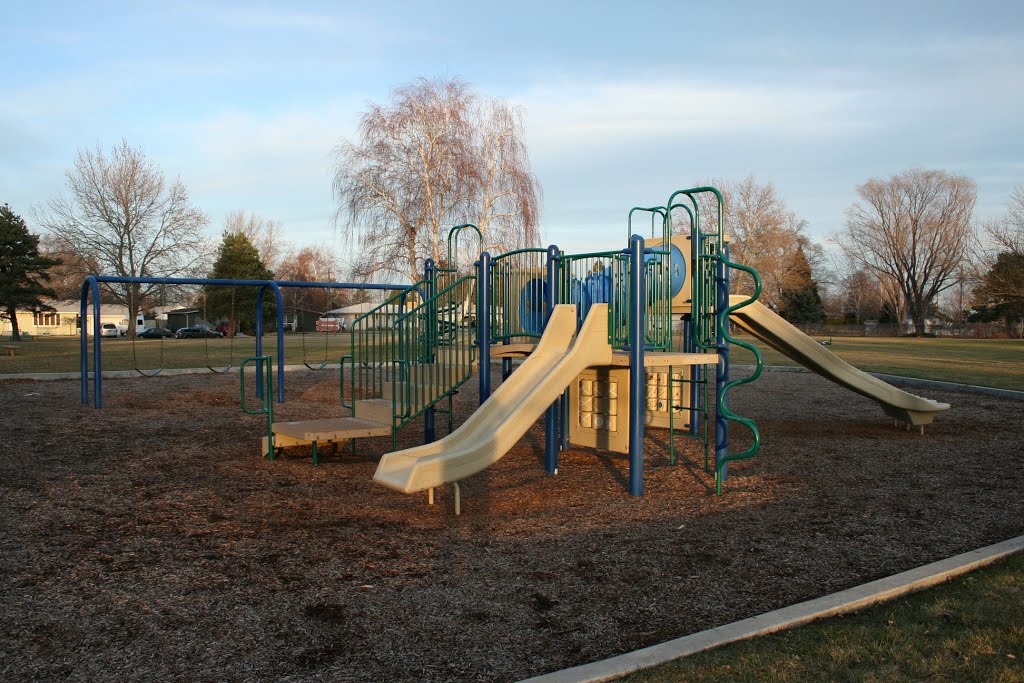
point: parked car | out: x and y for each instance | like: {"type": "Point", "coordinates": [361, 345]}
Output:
{"type": "Point", "coordinates": [155, 333]}
{"type": "Point", "coordinates": [108, 330]}
{"type": "Point", "coordinates": [196, 332]}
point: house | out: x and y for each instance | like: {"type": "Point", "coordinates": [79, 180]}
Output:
{"type": "Point", "coordinates": [63, 320]}
{"type": "Point", "coordinates": [385, 317]}
{"type": "Point", "coordinates": [176, 318]}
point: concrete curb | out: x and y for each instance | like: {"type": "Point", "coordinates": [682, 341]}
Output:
{"type": "Point", "coordinates": [849, 600]}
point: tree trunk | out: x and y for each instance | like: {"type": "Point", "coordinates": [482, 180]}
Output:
{"type": "Point", "coordinates": [918, 312]}
{"type": "Point", "coordinates": [414, 275]}
{"type": "Point", "coordinates": [15, 333]}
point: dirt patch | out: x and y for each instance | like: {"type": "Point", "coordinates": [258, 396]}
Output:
{"type": "Point", "coordinates": [148, 540]}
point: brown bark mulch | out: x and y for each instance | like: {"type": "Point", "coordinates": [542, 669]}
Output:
{"type": "Point", "coordinates": [149, 541]}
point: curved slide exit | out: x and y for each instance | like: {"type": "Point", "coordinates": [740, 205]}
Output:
{"type": "Point", "coordinates": [493, 429]}
{"type": "Point", "coordinates": [772, 329]}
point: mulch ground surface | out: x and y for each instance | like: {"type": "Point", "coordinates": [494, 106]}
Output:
{"type": "Point", "coordinates": [149, 541]}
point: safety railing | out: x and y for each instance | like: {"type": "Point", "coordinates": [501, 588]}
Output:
{"type": "Point", "coordinates": [434, 349]}
{"type": "Point", "coordinates": [597, 278]}
{"type": "Point", "coordinates": [373, 347]}
{"type": "Point", "coordinates": [519, 292]}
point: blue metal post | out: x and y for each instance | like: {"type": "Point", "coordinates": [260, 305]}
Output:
{"type": "Point", "coordinates": [551, 436]}
{"type": "Point", "coordinates": [722, 372]}
{"type": "Point", "coordinates": [483, 322]}
{"type": "Point", "coordinates": [693, 422]}
{"type": "Point", "coordinates": [97, 339]}
{"type": "Point", "coordinates": [83, 355]}
{"type": "Point", "coordinates": [506, 364]}
{"type": "Point", "coordinates": [430, 329]}
{"type": "Point", "coordinates": [637, 308]}
{"type": "Point", "coordinates": [279, 299]}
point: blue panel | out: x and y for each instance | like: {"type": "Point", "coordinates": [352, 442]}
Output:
{"type": "Point", "coordinates": [531, 306]}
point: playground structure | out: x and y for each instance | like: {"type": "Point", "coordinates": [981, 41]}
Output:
{"type": "Point", "coordinates": [613, 342]}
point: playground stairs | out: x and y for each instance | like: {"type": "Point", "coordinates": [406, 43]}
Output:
{"type": "Point", "coordinates": [336, 431]}
{"type": "Point", "coordinates": [425, 385]}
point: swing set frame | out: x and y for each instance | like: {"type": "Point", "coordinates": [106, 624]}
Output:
{"type": "Point", "coordinates": [91, 297]}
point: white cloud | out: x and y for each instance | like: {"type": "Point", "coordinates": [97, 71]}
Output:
{"type": "Point", "coordinates": [277, 165]}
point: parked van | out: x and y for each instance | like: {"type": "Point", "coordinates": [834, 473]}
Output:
{"type": "Point", "coordinates": [140, 324]}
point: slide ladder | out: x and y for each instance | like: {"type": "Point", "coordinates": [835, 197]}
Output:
{"type": "Point", "coordinates": [711, 310]}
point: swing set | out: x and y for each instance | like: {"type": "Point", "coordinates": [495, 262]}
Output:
{"type": "Point", "coordinates": [90, 298]}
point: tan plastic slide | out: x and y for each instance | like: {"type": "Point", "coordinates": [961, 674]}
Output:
{"type": "Point", "coordinates": [512, 409]}
{"type": "Point", "coordinates": [771, 328]}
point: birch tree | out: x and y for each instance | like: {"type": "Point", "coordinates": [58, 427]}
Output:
{"type": "Point", "coordinates": [436, 155]}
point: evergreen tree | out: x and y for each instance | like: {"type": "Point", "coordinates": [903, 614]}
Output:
{"type": "Point", "coordinates": [1001, 291]}
{"type": "Point", "coordinates": [237, 259]}
{"type": "Point", "coordinates": [23, 270]}
{"type": "Point", "coordinates": [801, 302]}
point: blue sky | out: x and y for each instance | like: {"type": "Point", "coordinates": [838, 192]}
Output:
{"type": "Point", "coordinates": [244, 101]}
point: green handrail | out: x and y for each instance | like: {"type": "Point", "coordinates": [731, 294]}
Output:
{"type": "Point", "coordinates": [723, 398]}
{"type": "Point", "coordinates": [420, 334]}
{"type": "Point", "coordinates": [341, 381]}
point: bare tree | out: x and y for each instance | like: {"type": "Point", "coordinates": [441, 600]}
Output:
{"type": "Point", "coordinates": [311, 264]}
{"type": "Point", "coordinates": [66, 279]}
{"type": "Point", "coordinates": [122, 215]}
{"type": "Point", "coordinates": [1000, 266]}
{"type": "Point", "coordinates": [508, 194]}
{"type": "Point", "coordinates": [1007, 233]}
{"type": "Point", "coordinates": [436, 155]}
{"type": "Point", "coordinates": [915, 230]}
{"type": "Point", "coordinates": [264, 234]}
{"type": "Point", "coordinates": [764, 234]}
{"type": "Point", "coordinates": [1001, 256]}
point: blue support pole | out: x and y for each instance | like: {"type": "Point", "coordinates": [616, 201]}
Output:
{"type": "Point", "coordinates": [637, 309]}
{"type": "Point", "coordinates": [97, 349]}
{"type": "Point", "coordinates": [430, 415]}
{"type": "Point", "coordinates": [692, 387]}
{"type": "Point", "coordinates": [279, 299]}
{"type": "Point", "coordinates": [722, 371]}
{"type": "Point", "coordinates": [83, 351]}
{"type": "Point", "coordinates": [483, 322]}
{"type": "Point", "coordinates": [551, 436]}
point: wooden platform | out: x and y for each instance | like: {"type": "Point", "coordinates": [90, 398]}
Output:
{"type": "Point", "coordinates": [512, 350]}
{"type": "Point", "coordinates": [619, 358]}
{"type": "Point", "coordinates": [330, 429]}
{"type": "Point", "coordinates": [660, 359]}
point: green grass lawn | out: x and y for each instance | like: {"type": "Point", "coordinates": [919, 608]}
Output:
{"type": "Point", "coordinates": [61, 354]}
{"type": "Point", "coordinates": [986, 362]}
{"type": "Point", "coordinates": [971, 629]}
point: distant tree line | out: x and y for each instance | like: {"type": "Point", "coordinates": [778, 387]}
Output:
{"type": "Point", "coordinates": [438, 154]}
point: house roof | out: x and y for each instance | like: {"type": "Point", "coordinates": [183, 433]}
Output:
{"type": "Point", "coordinates": [70, 306]}
{"type": "Point", "coordinates": [359, 309]}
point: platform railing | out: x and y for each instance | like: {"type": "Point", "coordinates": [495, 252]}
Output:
{"type": "Point", "coordinates": [374, 345]}
{"type": "Point", "coordinates": [434, 349]}
{"type": "Point", "coordinates": [519, 291]}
